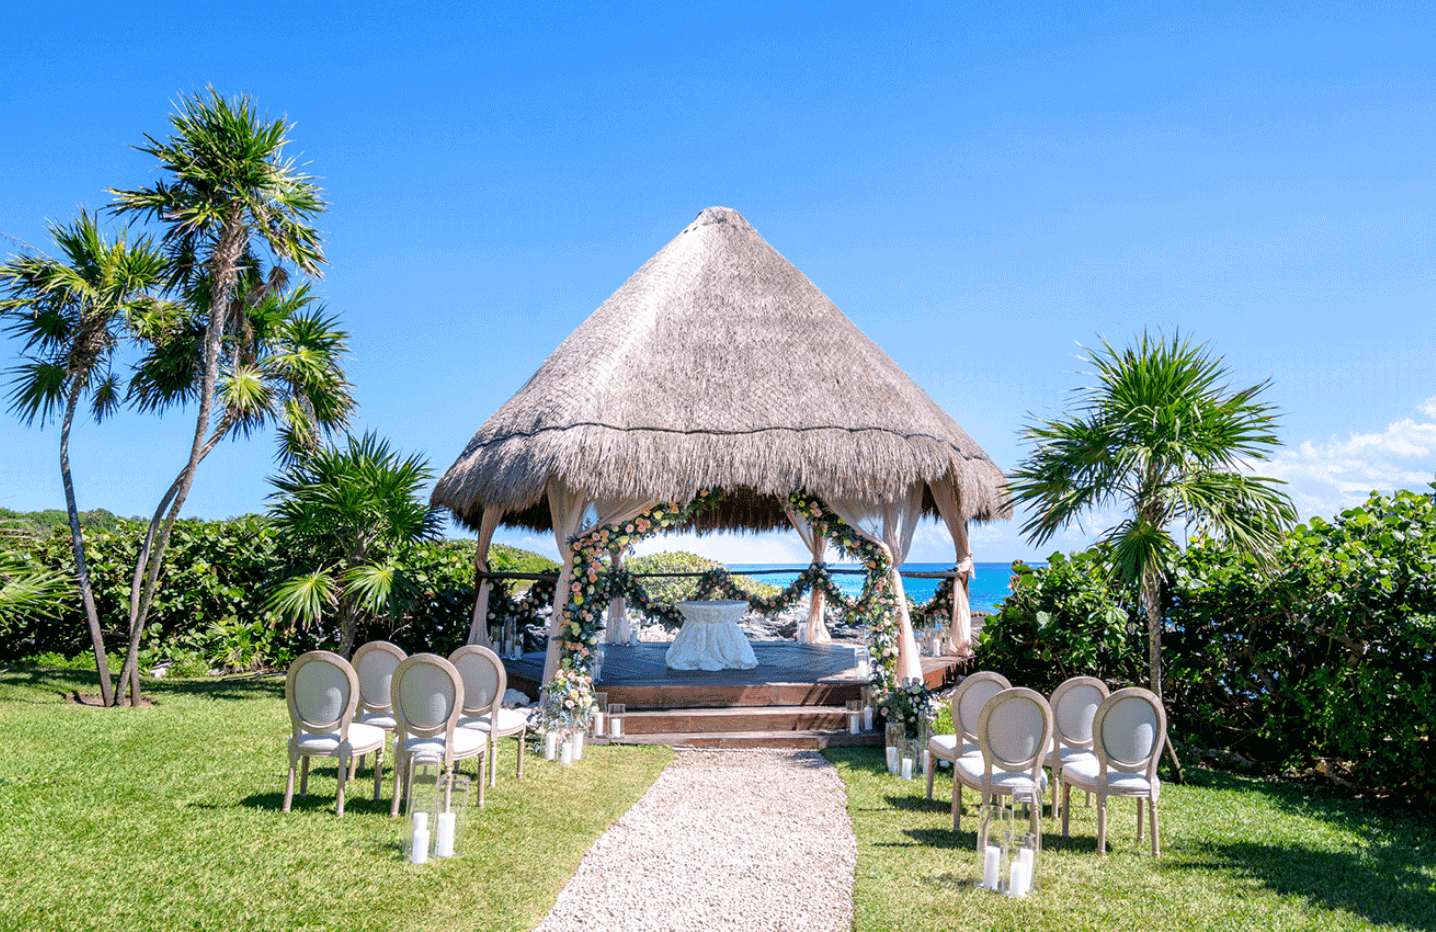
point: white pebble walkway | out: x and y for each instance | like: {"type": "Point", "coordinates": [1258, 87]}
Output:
{"type": "Point", "coordinates": [746, 840]}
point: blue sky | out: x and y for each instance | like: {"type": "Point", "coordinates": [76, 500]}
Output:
{"type": "Point", "coordinates": [979, 188]}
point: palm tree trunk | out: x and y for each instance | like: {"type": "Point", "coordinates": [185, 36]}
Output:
{"type": "Point", "coordinates": [223, 267]}
{"type": "Point", "coordinates": [77, 543]}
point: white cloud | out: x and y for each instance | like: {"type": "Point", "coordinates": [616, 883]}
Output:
{"type": "Point", "coordinates": [1325, 477]}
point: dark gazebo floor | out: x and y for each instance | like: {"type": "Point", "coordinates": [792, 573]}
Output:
{"type": "Point", "coordinates": [788, 674]}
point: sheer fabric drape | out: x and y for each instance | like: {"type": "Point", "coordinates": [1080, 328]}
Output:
{"type": "Point", "coordinates": [479, 626]}
{"type": "Point", "coordinates": [617, 511]}
{"type": "Point", "coordinates": [817, 545]}
{"type": "Point", "coordinates": [891, 525]}
{"type": "Point", "coordinates": [959, 632]}
{"type": "Point", "coordinates": [567, 506]}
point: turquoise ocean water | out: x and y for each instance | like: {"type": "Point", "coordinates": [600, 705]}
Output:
{"type": "Point", "coordinates": [988, 588]}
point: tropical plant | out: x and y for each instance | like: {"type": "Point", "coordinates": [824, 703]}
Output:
{"type": "Point", "coordinates": [72, 314]}
{"type": "Point", "coordinates": [1160, 436]}
{"type": "Point", "coordinates": [1072, 617]}
{"type": "Point", "coordinates": [228, 188]}
{"type": "Point", "coordinates": [28, 590]}
{"type": "Point", "coordinates": [346, 516]}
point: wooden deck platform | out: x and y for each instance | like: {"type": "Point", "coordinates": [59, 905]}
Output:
{"type": "Point", "coordinates": [794, 698]}
{"type": "Point", "coordinates": [788, 674]}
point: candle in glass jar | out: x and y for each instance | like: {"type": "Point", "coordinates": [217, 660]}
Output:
{"type": "Point", "coordinates": [867, 718]}
{"type": "Point", "coordinates": [615, 728]}
{"type": "Point", "coordinates": [907, 768]}
{"type": "Point", "coordinates": [892, 760]}
{"type": "Point", "coordinates": [550, 745]}
{"type": "Point", "coordinates": [565, 754]}
{"type": "Point", "coordinates": [577, 740]}
{"type": "Point", "coordinates": [598, 724]}
{"type": "Point", "coordinates": [1018, 880]}
{"type": "Point", "coordinates": [854, 724]}
{"type": "Point", "coordinates": [444, 835]}
{"type": "Point", "coordinates": [991, 857]}
{"type": "Point", "coordinates": [419, 850]}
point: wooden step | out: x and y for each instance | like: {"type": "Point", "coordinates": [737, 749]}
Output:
{"type": "Point", "coordinates": [800, 740]}
{"type": "Point", "coordinates": [737, 719]}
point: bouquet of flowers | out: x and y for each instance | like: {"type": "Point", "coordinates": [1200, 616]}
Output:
{"type": "Point", "coordinates": [909, 704]}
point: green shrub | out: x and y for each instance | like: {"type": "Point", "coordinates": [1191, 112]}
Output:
{"type": "Point", "coordinates": [1069, 618]}
{"type": "Point", "coordinates": [682, 588]}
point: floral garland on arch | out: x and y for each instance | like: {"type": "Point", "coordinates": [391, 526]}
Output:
{"type": "Point", "coordinates": [569, 698]}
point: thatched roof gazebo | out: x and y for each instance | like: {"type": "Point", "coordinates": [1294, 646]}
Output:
{"type": "Point", "coordinates": [719, 365]}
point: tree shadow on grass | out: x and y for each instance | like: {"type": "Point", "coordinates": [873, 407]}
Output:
{"type": "Point", "coordinates": [1383, 870]}
{"type": "Point", "coordinates": [1384, 886]}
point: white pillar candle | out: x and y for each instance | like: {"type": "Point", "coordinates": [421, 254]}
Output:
{"type": "Point", "coordinates": [991, 857]}
{"type": "Point", "coordinates": [907, 768]}
{"type": "Point", "coordinates": [1018, 880]}
{"type": "Point", "coordinates": [419, 850]}
{"type": "Point", "coordinates": [854, 724]}
{"type": "Point", "coordinates": [565, 754]}
{"type": "Point", "coordinates": [578, 745]}
{"type": "Point", "coordinates": [550, 745]}
{"type": "Point", "coordinates": [867, 718]}
{"type": "Point", "coordinates": [892, 760]}
{"type": "Point", "coordinates": [1025, 856]}
{"type": "Point", "coordinates": [598, 724]}
{"type": "Point", "coordinates": [444, 835]}
{"type": "Point", "coordinates": [615, 728]}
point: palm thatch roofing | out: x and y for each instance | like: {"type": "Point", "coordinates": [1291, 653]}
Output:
{"type": "Point", "coordinates": [717, 364]}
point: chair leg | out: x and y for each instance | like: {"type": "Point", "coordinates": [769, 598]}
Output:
{"type": "Point", "coordinates": [346, 761]}
{"type": "Point", "coordinates": [956, 801]}
{"type": "Point", "coordinates": [523, 736]}
{"type": "Point", "coordinates": [483, 762]}
{"type": "Point", "coordinates": [304, 776]}
{"type": "Point", "coordinates": [494, 756]}
{"type": "Point", "coordinates": [1066, 806]}
{"type": "Point", "coordinates": [929, 765]}
{"type": "Point", "coordinates": [1139, 820]}
{"type": "Point", "coordinates": [1056, 779]}
{"type": "Point", "coordinates": [1152, 814]}
{"type": "Point", "coordinates": [398, 765]}
{"type": "Point", "coordinates": [289, 783]}
{"type": "Point", "coordinates": [378, 771]}
{"type": "Point", "coordinates": [1101, 824]}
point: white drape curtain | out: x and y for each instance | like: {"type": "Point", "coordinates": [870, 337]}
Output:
{"type": "Point", "coordinates": [479, 626]}
{"type": "Point", "coordinates": [567, 506]}
{"type": "Point", "coordinates": [817, 545]}
{"type": "Point", "coordinates": [617, 511]}
{"type": "Point", "coordinates": [891, 525]}
{"type": "Point", "coordinates": [959, 633]}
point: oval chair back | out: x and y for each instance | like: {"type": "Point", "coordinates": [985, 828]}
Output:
{"type": "Point", "coordinates": [375, 664]}
{"type": "Point", "coordinates": [428, 697]}
{"type": "Point", "coordinates": [969, 699]}
{"type": "Point", "coordinates": [1129, 730]}
{"type": "Point", "coordinates": [485, 679]}
{"type": "Point", "coordinates": [1013, 732]}
{"type": "Point", "coordinates": [322, 692]}
{"type": "Point", "coordinates": [1074, 705]}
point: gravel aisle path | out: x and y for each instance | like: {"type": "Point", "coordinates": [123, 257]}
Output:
{"type": "Point", "coordinates": [722, 840]}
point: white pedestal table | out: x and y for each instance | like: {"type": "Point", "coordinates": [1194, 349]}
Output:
{"type": "Point", "coordinates": [710, 638]}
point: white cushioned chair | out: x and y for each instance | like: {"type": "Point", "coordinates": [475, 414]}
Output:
{"type": "Point", "coordinates": [428, 697]}
{"type": "Point", "coordinates": [485, 682]}
{"type": "Point", "coordinates": [1012, 733]}
{"type": "Point", "coordinates": [322, 692]}
{"type": "Point", "coordinates": [1074, 705]}
{"type": "Point", "coordinates": [967, 702]}
{"type": "Point", "coordinates": [1128, 732]}
{"type": "Point", "coordinates": [375, 663]}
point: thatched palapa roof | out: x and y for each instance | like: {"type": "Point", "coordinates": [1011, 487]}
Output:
{"type": "Point", "coordinates": [717, 364]}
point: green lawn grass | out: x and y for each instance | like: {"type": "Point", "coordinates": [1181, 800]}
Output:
{"type": "Point", "coordinates": [169, 818]}
{"type": "Point", "coordinates": [1237, 854]}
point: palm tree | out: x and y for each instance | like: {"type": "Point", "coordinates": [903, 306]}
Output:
{"type": "Point", "coordinates": [228, 189]}
{"type": "Point", "coordinates": [1160, 436]}
{"type": "Point", "coordinates": [346, 514]}
{"type": "Point", "coordinates": [72, 313]}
